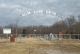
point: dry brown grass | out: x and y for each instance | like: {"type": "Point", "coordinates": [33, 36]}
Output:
{"type": "Point", "coordinates": [37, 46]}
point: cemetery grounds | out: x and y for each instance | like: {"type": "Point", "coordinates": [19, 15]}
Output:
{"type": "Point", "coordinates": [32, 45]}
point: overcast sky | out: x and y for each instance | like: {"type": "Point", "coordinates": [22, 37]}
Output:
{"type": "Point", "coordinates": [36, 12]}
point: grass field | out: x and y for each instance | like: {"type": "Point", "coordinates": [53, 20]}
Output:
{"type": "Point", "coordinates": [40, 46]}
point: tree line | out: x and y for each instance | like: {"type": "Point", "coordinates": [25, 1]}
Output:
{"type": "Point", "coordinates": [69, 25]}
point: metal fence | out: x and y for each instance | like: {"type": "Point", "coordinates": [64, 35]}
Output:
{"type": "Point", "coordinates": [49, 37]}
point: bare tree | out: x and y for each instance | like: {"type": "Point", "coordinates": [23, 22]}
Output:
{"type": "Point", "coordinates": [71, 21]}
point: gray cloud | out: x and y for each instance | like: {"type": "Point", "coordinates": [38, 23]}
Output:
{"type": "Point", "coordinates": [10, 11]}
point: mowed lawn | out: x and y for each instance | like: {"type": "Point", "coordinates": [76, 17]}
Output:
{"type": "Point", "coordinates": [39, 46]}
